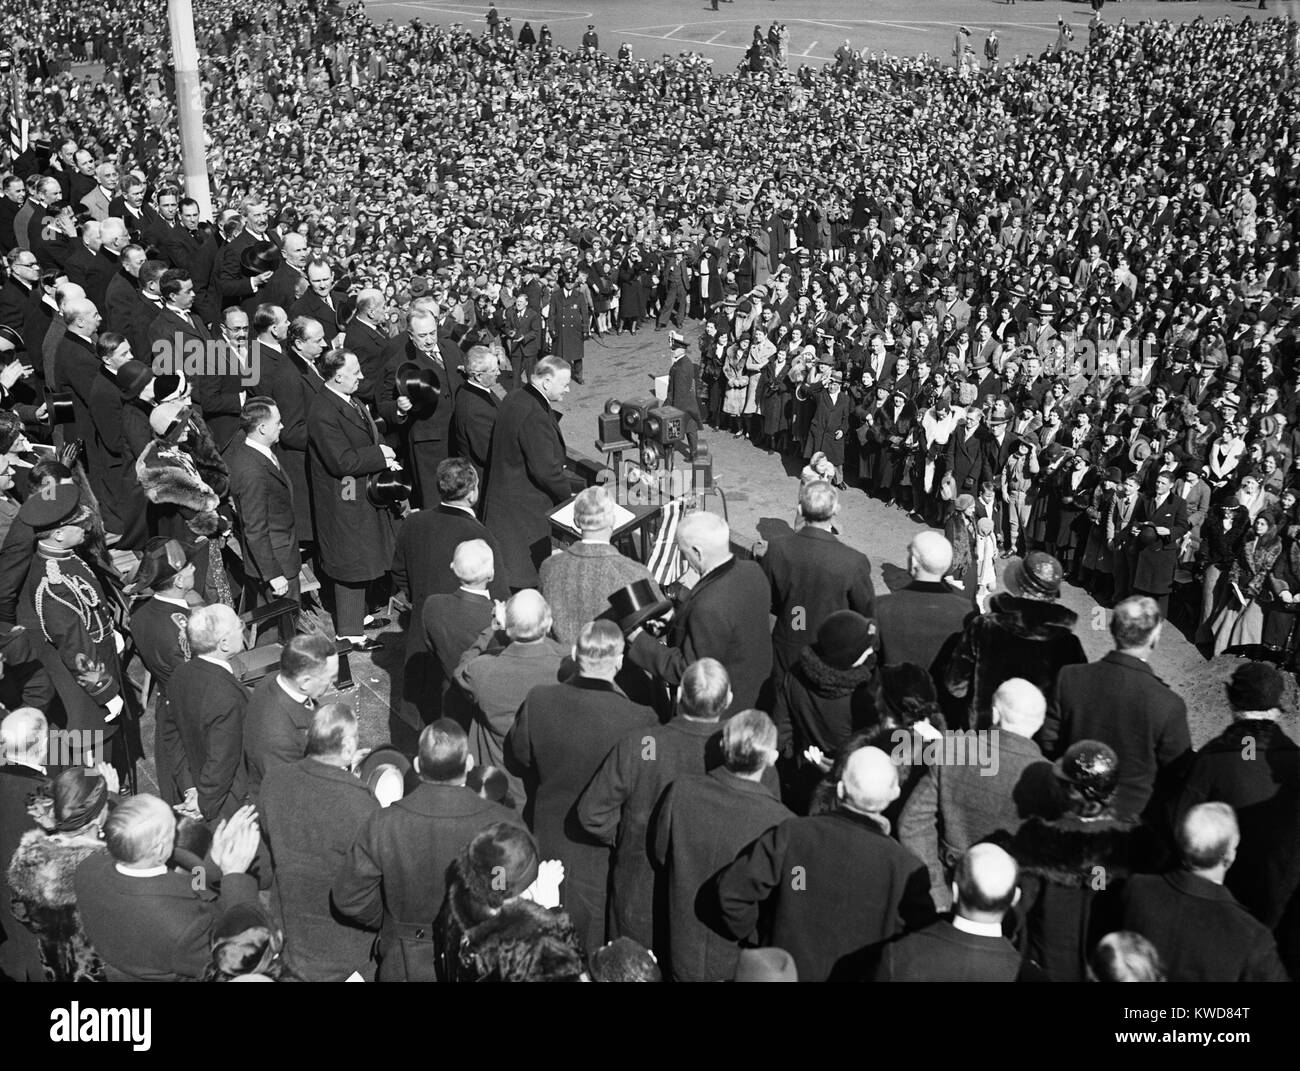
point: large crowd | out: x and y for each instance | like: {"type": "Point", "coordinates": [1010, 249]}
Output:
{"type": "Point", "coordinates": [1049, 308]}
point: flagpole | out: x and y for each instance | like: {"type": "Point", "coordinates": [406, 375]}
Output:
{"type": "Point", "coordinates": [189, 104]}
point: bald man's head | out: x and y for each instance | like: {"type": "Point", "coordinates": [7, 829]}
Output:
{"type": "Point", "coordinates": [82, 314]}
{"type": "Point", "coordinates": [1207, 838]}
{"type": "Point", "coordinates": [66, 293]}
{"type": "Point", "coordinates": [1019, 707]}
{"type": "Point", "coordinates": [869, 782]}
{"type": "Point", "coordinates": [929, 556]}
{"type": "Point", "coordinates": [984, 885]}
{"type": "Point", "coordinates": [704, 540]}
{"type": "Point", "coordinates": [472, 563]}
{"type": "Point", "coordinates": [528, 617]}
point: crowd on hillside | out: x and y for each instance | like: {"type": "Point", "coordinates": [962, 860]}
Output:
{"type": "Point", "coordinates": [1050, 308]}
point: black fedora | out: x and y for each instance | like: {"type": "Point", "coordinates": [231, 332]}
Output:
{"type": "Point", "coordinates": [260, 257]}
{"type": "Point", "coordinates": [387, 488]}
{"type": "Point", "coordinates": [637, 603]}
{"type": "Point", "coordinates": [420, 384]}
{"type": "Point", "coordinates": [373, 768]}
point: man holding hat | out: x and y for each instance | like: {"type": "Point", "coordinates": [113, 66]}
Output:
{"type": "Point", "coordinates": [64, 603]}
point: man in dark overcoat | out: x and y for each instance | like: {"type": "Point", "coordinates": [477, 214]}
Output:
{"type": "Point", "coordinates": [148, 921]}
{"type": "Point", "coordinates": [618, 805]}
{"type": "Point", "coordinates": [812, 575]}
{"type": "Point", "coordinates": [560, 738]}
{"type": "Point", "coordinates": [424, 427]}
{"type": "Point", "coordinates": [474, 413]}
{"type": "Point", "coordinates": [724, 616]}
{"type": "Point", "coordinates": [526, 477]}
{"type": "Point", "coordinates": [354, 536]}
{"type": "Point", "coordinates": [394, 877]}
{"type": "Point", "coordinates": [684, 391]}
{"type": "Point", "coordinates": [1159, 524]}
{"type": "Point", "coordinates": [204, 738]}
{"type": "Point", "coordinates": [703, 824]}
{"type": "Point", "coordinates": [280, 709]}
{"type": "Point", "coordinates": [312, 810]}
{"type": "Point", "coordinates": [829, 887]}
{"type": "Point", "coordinates": [295, 383]}
{"type": "Point", "coordinates": [1120, 701]}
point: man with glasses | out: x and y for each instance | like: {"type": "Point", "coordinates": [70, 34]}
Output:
{"type": "Point", "coordinates": [21, 290]}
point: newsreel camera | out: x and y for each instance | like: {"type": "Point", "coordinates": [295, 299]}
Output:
{"type": "Point", "coordinates": [652, 431]}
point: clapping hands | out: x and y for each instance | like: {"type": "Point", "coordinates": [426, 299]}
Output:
{"type": "Point", "coordinates": [234, 844]}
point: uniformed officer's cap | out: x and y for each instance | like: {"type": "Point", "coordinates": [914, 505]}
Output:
{"type": "Point", "coordinates": [51, 507]}
{"type": "Point", "coordinates": [677, 340]}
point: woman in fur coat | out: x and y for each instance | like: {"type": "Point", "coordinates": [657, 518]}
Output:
{"type": "Point", "coordinates": [500, 921]}
{"type": "Point", "coordinates": [41, 872]}
{"type": "Point", "coordinates": [1064, 910]}
{"type": "Point", "coordinates": [185, 479]}
{"type": "Point", "coordinates": [1240, 622]}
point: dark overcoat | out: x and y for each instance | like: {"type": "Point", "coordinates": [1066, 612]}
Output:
{"type": "Point", "coordinates": [1121, 702]}
{"type": "Point", "coordinates": [525, 481]}
{"type": "Point", "coordinates": [812, 575]}
{"type": "Point", "coordinates": [354, 537]}
{"type": "Point", "coordinates": [724, 616]}
{"type": "Point", "coordinates": [561, 736]}
{"type": "Point", "coordinates": [703, 824]}
{"type": "Point", "coordinates": [294, 386]}
{"type": "Point", "coordinates": [827, 889]}
{"type": "Point", "coordinates": [1153, 565]}
{"type": "Point", "coordinates": [311, 813]}
{"type": "Point", "coordinates": [394, 878]}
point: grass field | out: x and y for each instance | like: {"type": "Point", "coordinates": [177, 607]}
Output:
{"type": "Point", "coordinates": [817, 27]}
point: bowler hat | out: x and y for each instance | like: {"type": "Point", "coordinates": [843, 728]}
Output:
{"type": "Point", "coordinates": [420, 384]}
{"type": "Point", "coordinates": [387, 488]}
{"type": "Point", "coordinates": [637, 603]}
{"type": "Point", "coordinates": [260, 257]}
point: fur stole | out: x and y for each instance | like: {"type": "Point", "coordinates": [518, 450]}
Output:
{"type": "Point", "coordinates": [524, 942]}
{"type": "Point", "coordinates": [202, 448]}
{"type": "Point", "coordinates": [828, 682]}
{"type": "Point", "coordinates": [169, 477]}
{"type": "Point", "coordinates": [42, 869]}
{"type": "Point", "coordinates": [1072, 852]}
{"type": "Point", "coordinates": [1026, 618]}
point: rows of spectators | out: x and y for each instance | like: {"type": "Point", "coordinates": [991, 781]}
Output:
{"type": "Point", "coordinates": [1052, 309]}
